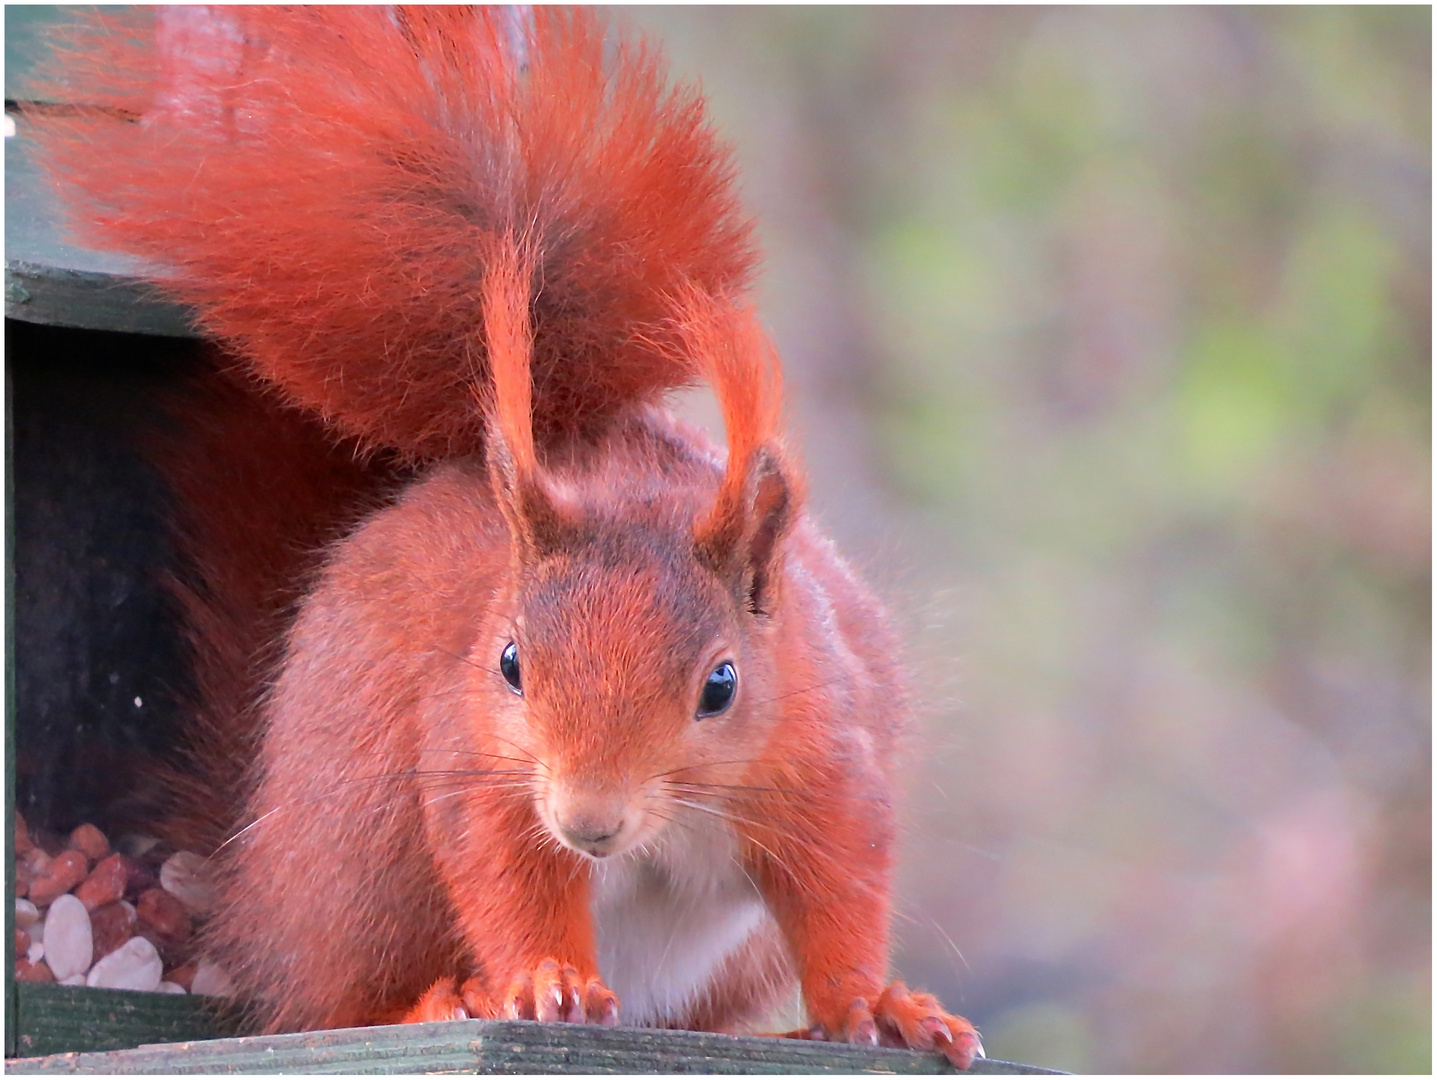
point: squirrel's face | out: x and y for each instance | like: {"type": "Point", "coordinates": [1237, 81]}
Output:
{"type": "Point", "coordinates": [635, 685]}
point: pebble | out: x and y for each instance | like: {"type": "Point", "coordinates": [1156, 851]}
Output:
{"type": "Point", "coordinates": [38, 971]}
{"type": "Point", "coordinates": [112, 926]}
{"type": "Point", "coordinates": [135, 965]}
{"type": "Point", "coordinates": [183, 976]}
{"type": "Point", "coordinates": [106, 883]}
{"type": "Point", "coordinates": [64, 872]}
{"type": "Point", "coordinates": [164, 913]}
{"type": "Point", "coordinates": [211, 979]}
{"type": "Point", "coordinates": [138, 877]}
{"type": "Point", "coordinates": [75, 924]}
{"type": "Point", "coordinates": [91, 841]}
{"type": "Point", "coordinates": [187, 876]}
{"type": "Point", "coordinates": [132, 877]}
{"type": "Point", "coordinates": [26, 914]}
{"type": "Point", "coordinates": [69, 947]}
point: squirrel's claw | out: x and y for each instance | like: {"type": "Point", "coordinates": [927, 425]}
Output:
{"type": "Point", "coordinates": [555, 993]}
{"type": "Point", "coordinates": [442, 1001]}
{"type": "Point", "coordinates": [601, 1005]}
{"type": "Point", "coordinates": [859, 1027]}
{"type": "Point", "coordinates": [899, 1018]}
{"type": "Point", "coordinates": [919, 1022]}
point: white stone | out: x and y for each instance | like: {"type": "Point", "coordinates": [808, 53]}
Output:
{"type": "Point", "coordinates": [171, 988]}
{"type": "Point", "coordinates": [211, 979]}
{"type": "Point", "coordinates": [187, 876]}
{"type": "Point", "coordinates": [69, 944]}
{"type": "Point", "coordinates": [36, 952]}
{"type": "Point", "coordinates": [26, 914]}
{"type": "Point", "coordinates": [73, 980]}
{"type": "Point", "coordinates": [135, 965]}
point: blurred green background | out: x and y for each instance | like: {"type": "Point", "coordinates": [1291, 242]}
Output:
{"type": "Point", "coordinates": [1109, 334]}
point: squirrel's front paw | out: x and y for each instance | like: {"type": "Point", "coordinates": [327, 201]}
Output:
{"type": "Point", "coordinates": [442, 1001]}
{"type": "Point", "coordinates": [557, 992]}
{"type": "Point", "coordinates": [904, 1019]}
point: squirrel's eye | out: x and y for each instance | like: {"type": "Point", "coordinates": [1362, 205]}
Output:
{"type": "Point", "coordinates": [718, 690]}
{"type": "Point", "coordinates": [509, 667]}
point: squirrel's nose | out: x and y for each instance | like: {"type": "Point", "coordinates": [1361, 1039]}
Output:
{"type": "Point", "coordinates": [586, 834]}
{"type": "Point", "coordinates": [589, 822]}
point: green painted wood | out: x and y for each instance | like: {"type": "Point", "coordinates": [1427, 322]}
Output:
{"type": "Point", "coordinates": [83, 300]}
{"type": "Point", "coordinates": [28, 35]}
{"type": "Point", "coordinates": [506, 1048]}
{"type": "Point", "coordinates": [51, 1019]}
{"type": "Point", "coordinates": [10, 1012]}
{"type": "Point", "coordinates": [25, 26]}
{"type": "Point", "coordinates": [51, 281]}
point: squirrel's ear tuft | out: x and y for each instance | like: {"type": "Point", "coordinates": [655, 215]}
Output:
{"type": "Point", "coordinates": [758, 498]}
{"type": "Point", "coordinates": [538, 519]}
{"type": "Point", "coordinates": [740, 539]}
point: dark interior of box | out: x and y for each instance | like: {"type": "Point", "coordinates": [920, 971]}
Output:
{"type": "Point", "coordinates": [99, 666]}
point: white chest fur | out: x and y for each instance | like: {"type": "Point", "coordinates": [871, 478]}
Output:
{"type": "Point", "coordinates": [665, 921]}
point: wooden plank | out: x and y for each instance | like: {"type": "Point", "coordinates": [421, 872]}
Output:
{"type": "Point", "coordinates": [86, 300]}
{"type": "Point", "coordinates": [513, 1047]}
{"type": "Point", "coordinates": [50, 1019]}
{"type": "Point", "coordinates": [11, 1047]}
{"type": "Point", "coordinates": [506, 1048]}
{"type": "Point", "coordinates": [25, 27]}
{"type": "Point", "coordinates": [28, 29]}
{"type": "Point", "coordinates": [51, 281]}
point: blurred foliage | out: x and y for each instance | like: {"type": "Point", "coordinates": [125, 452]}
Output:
{"type": "Point", "coordinates": [1109, 333]}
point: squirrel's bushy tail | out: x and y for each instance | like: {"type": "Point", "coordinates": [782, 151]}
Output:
{"type": "Point", "coordinates": [327, 186]}
{"type": "Point", "coordinates": [258, 491]}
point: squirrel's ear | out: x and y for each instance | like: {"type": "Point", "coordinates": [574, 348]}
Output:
{"type": "Point", "coordinates": [741, 539]}
{"type": "Point", "coordinates": [538, 519]}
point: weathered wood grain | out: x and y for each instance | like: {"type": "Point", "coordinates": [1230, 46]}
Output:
{"type": "Point", "coordinates": [85, 300]}
{"type": "Point", "coordinates": [52, 281]}
{"type": "Point", "coordinates": [51, 1018]}
{"type": "Point", "coordinates": [505, 1048]}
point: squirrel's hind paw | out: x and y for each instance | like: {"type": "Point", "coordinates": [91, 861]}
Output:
{"type": "Point", "coordinates": [899, 1018]}
{"type": "Point", "coordinates": [554, 992]}
{"type": "Point", "coordinates": [918, 1021]}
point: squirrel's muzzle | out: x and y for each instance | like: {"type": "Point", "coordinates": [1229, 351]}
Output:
{"type": "Point", "coordinates": [594, 823]}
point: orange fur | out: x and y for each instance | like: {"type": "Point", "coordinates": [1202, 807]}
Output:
{"type": "Point", "coordinates": [490, 777]}
{"type": "Point", "coordinates": [388, 153]}
{"type": "Point", "coordinates": [258, 490]}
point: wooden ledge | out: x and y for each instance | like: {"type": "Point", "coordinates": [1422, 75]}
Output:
{"type": "Point", "coordinates": [90, 300]}
{"type": "Point", "coordinates": [504, 1047]}
{"type": "Point", "coordinates": [55, 282]}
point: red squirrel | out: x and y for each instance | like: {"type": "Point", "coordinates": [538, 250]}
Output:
{"type": "Point", "coordinates": [583, 720]}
